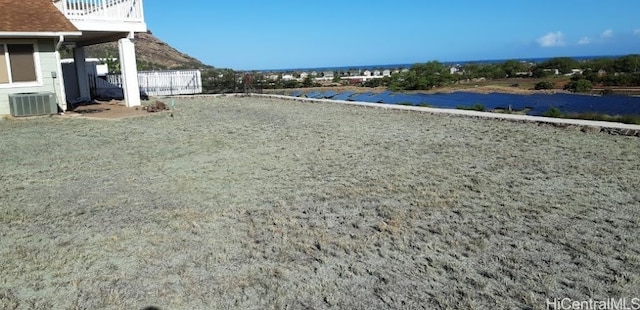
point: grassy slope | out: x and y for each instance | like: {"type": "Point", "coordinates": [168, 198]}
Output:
{"type": "Point", "coordinates": [251, 203]}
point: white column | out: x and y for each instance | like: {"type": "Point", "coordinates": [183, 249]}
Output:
{"type": "Point", "coordinates": [129, 72]}
{"type": "Point", "coordinates": [62, 95]}
{"type": "Point", "coordinates": [81, 72]}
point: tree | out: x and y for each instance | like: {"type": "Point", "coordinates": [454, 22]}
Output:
{"type": "Point", "coordinates": [628, 64]}
{"type": "Point", "coordinates": [336, 77]}
{"type": "Point", "coordinates": [579, 86]}
{"type": "Point", "coordinates": [539, 72]}
{"type": "Point", "coordinates": [113, 63]}
{"type": "Point", "coordinates": [307, 81]}
{"type": "Point", "coordinates": [426, 76]}
{"type": "Point", "coordinates": [396, 82]}
{"type": "Point", "coordinates": [375, 82]}
{"type": "Point", "coordinates": [290, 84]}
{"type": "Point", "coordinates": [543, 85]}
{"type": "Point", "coordinates": [218, 80]}
{"type": "Point", "coordinates": [470, 70]}
{"type": "Point", "coordinates": [563, 64]}
{"type": "Point", "coordinates": [512, 67]}
{"type": "Point", "coordinates": [606, 64]}
{"type": "Point", "coordinates": [492, 71]}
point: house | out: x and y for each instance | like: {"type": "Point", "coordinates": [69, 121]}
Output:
{"type": "Point", "coordinates": [366, 73]}
{"type": "Point", "coordinates": [32, 33]}
{"type": "Point", "coordinates": [575, 72]}
{"type": "Point", "coordinates": [29, 58]}
{"type": "Point", "coordinates": [327, 74]}
{"type": "Point", "coordinates": [553, 71]}
{"type": "Point", "coordinates": [386, 72]}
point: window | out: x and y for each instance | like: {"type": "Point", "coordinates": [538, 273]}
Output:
{"type": "Point", "coordinates": [17, 63]}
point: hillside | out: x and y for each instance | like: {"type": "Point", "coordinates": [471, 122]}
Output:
{"type": "Point", "coordinates": [152, 53]}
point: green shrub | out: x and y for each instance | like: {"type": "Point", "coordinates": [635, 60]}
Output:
{"type": "Point", "coordinates": [475, 107]}
{"type": "Point", "coordinates": [579, 86]}
{"type": "Point", "coordinates": [543, 85]}
{"type": "Point", "coordinates": [552, 112]}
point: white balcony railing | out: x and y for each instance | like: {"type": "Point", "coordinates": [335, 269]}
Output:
{"type": "Point", "coordinates": [101, 10]}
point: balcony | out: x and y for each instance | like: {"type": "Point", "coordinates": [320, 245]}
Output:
{"type": "Point", "coordinates": [104, 15]}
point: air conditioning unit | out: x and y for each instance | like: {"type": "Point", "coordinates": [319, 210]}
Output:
{"type": "Point", "coordinates": [30, 104]}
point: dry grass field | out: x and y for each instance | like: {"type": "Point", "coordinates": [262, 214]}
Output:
{"type": "Point", "coordinates": [247, 203]}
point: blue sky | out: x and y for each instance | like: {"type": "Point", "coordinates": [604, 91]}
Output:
{"type": "Point", "coordinates": [280, 34]}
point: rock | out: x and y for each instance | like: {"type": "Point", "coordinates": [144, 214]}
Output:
{"type": "Point", "coordinates": [155, 107]}
{"type": "Point", "coordinates": [591, 129]}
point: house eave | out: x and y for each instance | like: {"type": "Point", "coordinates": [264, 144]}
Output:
{"type": "Point", "coordinates": [110, 26]}
{"type": "Point", "coordinates": [39, 34]}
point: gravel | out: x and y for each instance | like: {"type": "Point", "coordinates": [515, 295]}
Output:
{"type": "Point", "coordinates": [255, 203]}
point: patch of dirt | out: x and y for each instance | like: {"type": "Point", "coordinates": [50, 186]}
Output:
{"type": "Point", "coordinates": [113, 109]}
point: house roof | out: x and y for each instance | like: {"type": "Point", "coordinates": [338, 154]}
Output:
{"type": "Point", "coordinates": [32, 16]}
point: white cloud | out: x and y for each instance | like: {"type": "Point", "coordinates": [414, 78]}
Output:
{"type": "Point", "coordinates": [607, 34]}
{"type": "Point", "coordinates": [585, 41]}
{"type": "Point", "coordinates": [552, 39]}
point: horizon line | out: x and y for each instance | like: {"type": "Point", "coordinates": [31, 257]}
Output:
{"type": "Point", "coordinates": [405, 65]}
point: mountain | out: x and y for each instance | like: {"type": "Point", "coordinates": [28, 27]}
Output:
{"type": "Point", "coordinates": [151, 54]}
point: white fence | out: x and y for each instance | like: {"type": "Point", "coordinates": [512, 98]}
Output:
{"type": "Point", "coordinates": [166, 83]}
{"type": "Point", "coordinates": [120, 10]}
{"type": "Point", "coordinates": [155, 83]}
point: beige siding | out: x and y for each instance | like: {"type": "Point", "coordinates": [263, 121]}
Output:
{"type": "Point", "coordinates": [4, 71]}
{"type": "Point", "coordinates": [45, 64]}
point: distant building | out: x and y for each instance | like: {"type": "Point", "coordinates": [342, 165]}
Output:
{"type": "Point", "coordinates": [574, 72]}
{"type": "Point", "coordinates": [386, 72]}
{"type": "Point", "coordinates": [366, 73]}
